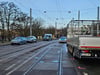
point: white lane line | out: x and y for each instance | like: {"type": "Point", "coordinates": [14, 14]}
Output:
{"type": "Point", "coordinates": [65, 48]}
{"type": "Point", "coordinates": [23, 63]}
{"type": "Point", "coordinates": [19, 66]}
{"type": "Point", "coordinates": [10, 67]}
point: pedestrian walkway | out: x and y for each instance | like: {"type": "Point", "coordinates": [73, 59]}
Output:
{"type": "Point", "coordinates": [5, 43]}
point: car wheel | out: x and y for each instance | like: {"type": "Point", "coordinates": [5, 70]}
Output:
{"type": "Point", "coordinates": [12, 44]}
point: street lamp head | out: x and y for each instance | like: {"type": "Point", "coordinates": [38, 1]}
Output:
{"type": "Point", "coordinates": [56, 18]}
{"type": "Point", "coordinates": [69, 11]}
{"type": "Point", "coordinates": [45, 11]}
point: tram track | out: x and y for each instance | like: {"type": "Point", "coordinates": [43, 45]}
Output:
{"type": "Point", "coordinates": [22, 55]}
{"type": "Point", "coordinates": [58, 70]}
{"type": "Point", "coordinates": [12, 71]}
{"type": "Point", "coordinates": [13, 49]}
{"type": "Point", "coordinates": [14, 55]}
{"type": "Point", "coordinates": [48, 59]}
{"type": "Point", "coordinates": [33, 65]}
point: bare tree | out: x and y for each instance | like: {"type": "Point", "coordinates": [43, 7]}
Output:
{"type": "Point", "coordinates": [51, 30]}
{"type": "Point", "coordinates": [8, 13]}
{"type": "Point", "coordinates": [23, 20]}
{"type": "Point", "coordinates": [15, 22]}
{"type": "Point", "coordinates": [37, 27]}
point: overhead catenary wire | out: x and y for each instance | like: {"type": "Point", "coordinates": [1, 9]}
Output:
{"type": "Point", "coordinates": [59, 10]}
{"type": "Point", "coordinates": [26, 8]}
{"type": "Point", "coordinates": [94, 4]}
{"type": "Point", "coordinates": [44, 13]}
{"type": "Point", "coordinates": [56, 11]}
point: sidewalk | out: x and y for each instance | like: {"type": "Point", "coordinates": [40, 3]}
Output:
{"type": "Point", "coordinates": [5, 43]}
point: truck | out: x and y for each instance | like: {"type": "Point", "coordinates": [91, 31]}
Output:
{"type": "Point", "coordinates": [83, 38]}
{"type": "Point", "coordinates": [47, 37]}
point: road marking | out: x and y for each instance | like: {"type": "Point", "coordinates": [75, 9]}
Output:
{"type": "Point", "coordinates": [65, 48]}
{"type": "Point", "coordinates": [10, 67]}
{"type": "Point", "coordinates": [23, 63]}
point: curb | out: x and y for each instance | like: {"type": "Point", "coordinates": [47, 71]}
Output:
{"type": "Point", "coordinates": [4, 44]}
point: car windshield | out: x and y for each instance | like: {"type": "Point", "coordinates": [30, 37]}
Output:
{"type": "Point", "coordinates": [31, 37]}
{"type": "Point", "coordinates": [63, 38]}
{"type": "Point", "coordinates": [18, 38]}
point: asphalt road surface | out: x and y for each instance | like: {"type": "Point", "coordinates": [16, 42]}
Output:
{"type": "Point", "coordinates": [44, 58]}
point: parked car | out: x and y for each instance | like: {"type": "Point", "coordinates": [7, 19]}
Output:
{"type": "Point", "coordinates": [31, 39]}
{"type": "Point", "coordinates": [62, 39]}
{"type": "Point", "coordinates": [19, 40]}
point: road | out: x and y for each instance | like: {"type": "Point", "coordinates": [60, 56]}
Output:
{"type": "Point", "coordinates": [44, 58]}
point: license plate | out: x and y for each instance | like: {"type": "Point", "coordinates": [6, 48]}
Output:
{"type": "Point", "coordinates": [85, 54]}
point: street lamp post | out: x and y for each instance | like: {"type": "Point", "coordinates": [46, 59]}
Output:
{"type": "Point", "coordinates": [56, 28]}
{"type": "Point", "coordinates": [78, 21]}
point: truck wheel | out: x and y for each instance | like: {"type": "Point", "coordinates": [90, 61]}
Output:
{"type": "Point", "coordinates": [68, 48]}
{"type": "Point", "coordinates": [74, 54]}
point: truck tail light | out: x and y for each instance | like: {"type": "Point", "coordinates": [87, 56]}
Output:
{"type": "Point", "coordinates": [85, 51]}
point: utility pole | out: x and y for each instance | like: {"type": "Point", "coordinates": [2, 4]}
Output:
{"type": "Point", "coordinates": [98, 20]}
{"type": "Point", "coordinates": [79, 15]}
{"type": "Point", "coordinates": [56, 29]}
{"type": "Point", "coordinates": [98, 12]}
{"type": "Point", "coordinates": [73, 29]}
{"type": "Point", "coordinates": [30, 22]}
{"type": "Point", "coordinates": [78, 21]}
